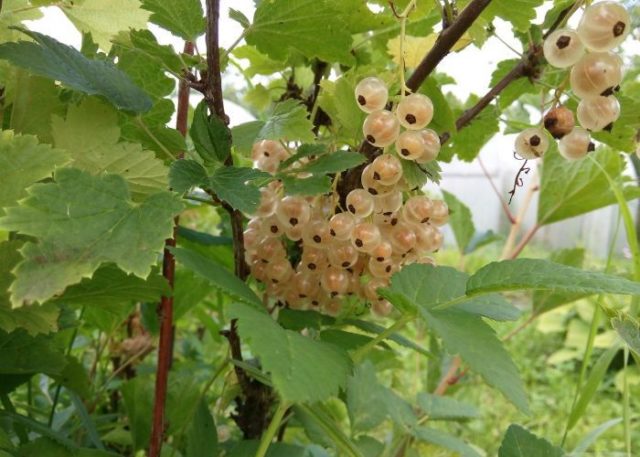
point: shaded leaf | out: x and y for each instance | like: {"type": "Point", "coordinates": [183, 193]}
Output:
{"type": "Point", "coordinates": [519, 442]}
{"type": "Point", "coordinates": [186, 174]}
{"type": "Point", "coordinates": [239, 186]}
{"type": "Point", "coordinates": [438, 407]}
{"type": "Point", "coordinates": [210, 135]}
{"type": "Point", "coordinates": [460, 220]}
{"type": "Point", "coordinates": [288, 121]}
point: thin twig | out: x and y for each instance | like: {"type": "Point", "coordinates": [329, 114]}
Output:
{"type": "Point", "coordinates": [518, 181]}
{"type": "Point", "coordinates": [503, 203]}
{"type": "Point", "coordinates": [165, 308]}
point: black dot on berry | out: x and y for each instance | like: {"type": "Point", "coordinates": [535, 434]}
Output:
{"type": "Point", "coordinates": [380, 259]}
{"type": "Point", "coordinates": [312, 266]}
{"type": "Point", "coordinates": [534, 140]}
{"type": "Point", "coordinates": [265, 261]}
{"type": "Point", "coordinates": [274, 229]}
{"type": "Point", "coordinates": [317, 238]}
{"type": "Point", "coordinates": [302, 296]}
{"type": "Point", "coordinates": [333, 294]}
{"type": "Point", "coordinates": [293, 221]}
{"type": "Point", "coordinates": [394, 221]}
{"type": "Point", "coordinates": [608, 127]}
{"type": "Point", "coordinates": [275, 281]}
{"type": "Point", "coordinates": [372, 191]}
{"type": "Point", "coordinates": [376, 176]}
{"type": "Point", "coordinates": [388, 269]}
{"type": "Point", "coordinates": [607, 92]}
{"type": "Point", "coordinates": [563, 42]}
{"type": "Point", "coordinates": [332, 232]}
{"type": "Point", "coordinates": [359, 243]}
{"type": "Point", "coordinates": [266, 154]}
{"type": "Point", "coordinates": [410, 118]}
{"type": "Point", "coordinates": [345, 264]}
{"type": "Point", "coordinates": [352, 209]}
{"type": "Point", "coordinates": [362, 100]}
{"type": "Point", "coordinates": [371, 139]}
{"type": "Point", "coordinates": [550, 122]}
{"type": "Point", "coordinates": [591, 147]}
{"type": "Point", "coordinates": [315, 302]}
{"type": "Point", "coordinates": [618, 29]}
{"type": "Point", "coordinates": [425, 220]}
{"type": "Point", "coordinates": [404, 151]}
{"type": "Point", "coordinates": [387, 213]}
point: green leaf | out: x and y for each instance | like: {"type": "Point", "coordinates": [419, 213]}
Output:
{"type": "Point", "coordinates": [239, 186]}
{"type": "Point", "coordinates": [259, 64]}
{"type": "Point", "coordinates": [22, 162]}
{"type": "Point", "coordinates": [424, 287]}
{"type": "Point", "coordinates": [629, 330]}
{"type": "Point", "coordinates": [52, 59]}
{"type": "Point", "coordinates": [308, 27]}
{"type": "Point", "coordinates": [304, 150]}
{"type": "Point", "coordinates": [244, 135]}
{"type": "Point", "coordinates": [492, 306]}
{"type": "Point", "coordinates": [337, 100]}
{"type": "Point", "coordinates": [186, 174]}
{"type": "Point", "coordinates": [239, 17]}
{"type": "Point", "coordinates": [442, 439]}
{"type": "Point", "coordinates": [313, 185]}
{"type": "Point", "coordinates": [466, 143]}
{"type": "Point", "coordinates": [460, 220]}
{"type": "Point", "coordinates": [146, 43]}
{"type": "Point", "coordinates": [519, 442]}
{"type": "Point", "coordinates": [481, 239]}
{"type": "Point", "coordinates": [82, 221]}
{"type": "Point", "coordinates": [521, 13]}
{"type": "Point", "coordinates": [437, 407]}
{"type": "Point", "coordinates": [105, 19]}
{"type": "Point", "coordinates": [568, 189]}
{"type": "Point", "coordinates": [218, 276]}
{"type": "Point", "coordinates": [538, 274]}
{"type": "Point", "coordinates": [21, 353]}
{"type": "Point", "coordinates": [202, 437]}
{"type": "Point", "coordinates": [33, 319]}
{"type": "Point", "coordinates": [333, 162]}
{"type": "Point", "coordinates": [363, 391]}
{"type": "Point", "coordinates": [288, 121]}
{"type": "Point", "coordinates": [622, 136]}
{"type": "Point", "coordinates": [443, 118]}
{"type": "Point", "coordinates": [302, 369]}
{"type": "Point", "coordinates": [547, 300]}
{"type": "Point", "coordinates": [109, 287]}
{"type": "Point", "coordinates": [91, 134]}
{"type": "Point", "coordinates": [211, 136]}
{"type": "Point", "coordinates": [592, 436]}
{"type": "Point", "coordinates": [184, 18]}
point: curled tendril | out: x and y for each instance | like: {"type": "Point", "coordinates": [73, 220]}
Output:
{"type": "Point", "coordinates": [518, 181]}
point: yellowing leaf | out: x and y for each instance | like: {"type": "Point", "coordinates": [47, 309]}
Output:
{"type": "Point", "coordinates": [415, 48]}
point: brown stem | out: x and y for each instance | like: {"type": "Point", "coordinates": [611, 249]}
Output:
{"type": "Point", "coordinates": [504, 204]}
{"type": "Point", "coordinates": [213, 81]}
{"type": "Point", "coordinates": [524, 241]}
{"type": "Point", "coordinates": [450, 378]}
{"type": "Point", "coordinates": [165, 309]}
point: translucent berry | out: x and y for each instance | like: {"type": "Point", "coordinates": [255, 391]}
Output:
{"type": "Point", "coordinates": [359, 203]}
{"type": "Point", "coordinates": [382, 252]}
{"type": "Point", "coordinates": [427, 238]}
{"type": "Point", "coordinates": [417, 210]}
{"type": "Point", "coordinates": [381, 307]}
{"type": "Point", "coordinates": [269, 149]}
{"type": "Point", "coordinates": [563, 48]}
{"type": "Point", "coordinates": [293, 211]}
{"type": "Point", "coordinates": [365, 236]}
{"type": "Point", "coordinates": [371, 185]}
{"type": "Point", "coordinates": [576, 144]}
{"type": "Point", "coordinates": [341, 225]}
{"type": "Point", "coordinates": [387, 169]}
{"type": "Point", "coordinates": [387, 204]}
{"type": "Point", "coordinates": [415, 111]}
{"type": "Point", "coordinates": [371, 94]}
{"type": "Point", "coordinates": [316, 234]}
{"type": "Point", "coordinates": [305, 283]}
{"type": "Point", "coordinates": [279, 270]}
{"type": "Point", "coordinates": [604, 25]}
{"type": "Point", "coordinates": [270, 249]}
{"type": "Point", "coordinates": [314, 260]}
{"type": "Point", "coordinates": [381, 269]}
{"type": "Point", "coordinates": [597, 113]}
{"type": "Point", "coordinates": [343, 255]}
{"type": "Point", "coordinates": [597, 73]}
{"type": "Point", "coordinates": [439, 213]}
{"type": "Point", "coordinates": [559, 121]}
{"type": "Point", "coordinates": [335, 280]}
{"type": "Point", "coordinates": [531, 143]}
{"type": "Point", "coordinates": [381, 128]}
{"type": "Point", "coordinates": [294, 233]}
{"type": "Point", "coordinates": [371, 288]}
{"type": "Point", "coordinates": [410, 145]}
{"type": "Point", "coordinates": [403, 238]}
{"type": "Point", "coordinates": [431, 142]}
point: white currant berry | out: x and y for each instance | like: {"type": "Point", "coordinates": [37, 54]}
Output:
{"type": "Point", "coordinates": [381, 269]}
{"type": "Point", "coordinates": [294, 233]}
{"type": "Point", "coordinates": [597, 113]}
{"type": "Point", "coordinates": [305, 283]}
{"type": "Point", "coordinates": [365, 236]}
{"type": "Point", "coordinates": [532, 143]}
{"type": "Point", "coordinates": [269, 149]}
{"type": "Point", "coordinates": [381, 307]}
{"type": "Point", "coordinates": [563, 48]}
{"type": "Point", "coordinates": [431, 141]}
{"type": "Point", "coordinates": [576, 144]}
{"type": "Point", "coordinates": [387, 204]}
{"type": "Point", "coordinates": [293, 211]}
{"type": "Point", "coordinates": [370, 289]}
{"type": "Point", "coordinates": [341, 225]}
{"type": "Point", "coordinates": [316, 234]}
{"type": "Point", "coordinates": [559, 121]}
{"type": "Point", "coordinates": [314, 260]}
{"type": "Point", "coordinates": [343, 255]}
{"type": "Point", "coordinates": [439, 213]}
{"type": "Point", "coordinates": [415, 111]}
{"type": "Point", "coordinates": [604, 25]}
{"type": "Point", "coordinates": [387, 169]}
{"type": "Point", "coordinates": [270, 249]}
{"type": "Point", "coordinates": [410, 145]}
{"type": "Point", "coordinates": [279, 270]}
{"type": "Point", "coordinates": [359, 203]}
{"type": "Point", "coordinates": [382, 252]}
{"type": "Point", "coordinates": [597, 73]}
{"type": "Point", "coordinates": [371, 94]}
{"type": "Point", "coordinates": [371, 185]}
{"type": "Point", "coordinates": [381, 128]}
{"type": "Point", "coordinates": [335, 280]}
{"type": "Point", "coordinates": [427, 238]}
{"type": "Point", "coordinates": [417, 210]}
{"type": "Point", "coordinates": [403, 238]}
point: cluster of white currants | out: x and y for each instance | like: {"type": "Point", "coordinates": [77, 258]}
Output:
{"type": "Point", "coordinates": [595, 75]}
{"type": "Point", "coordinates": [350, 251]}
